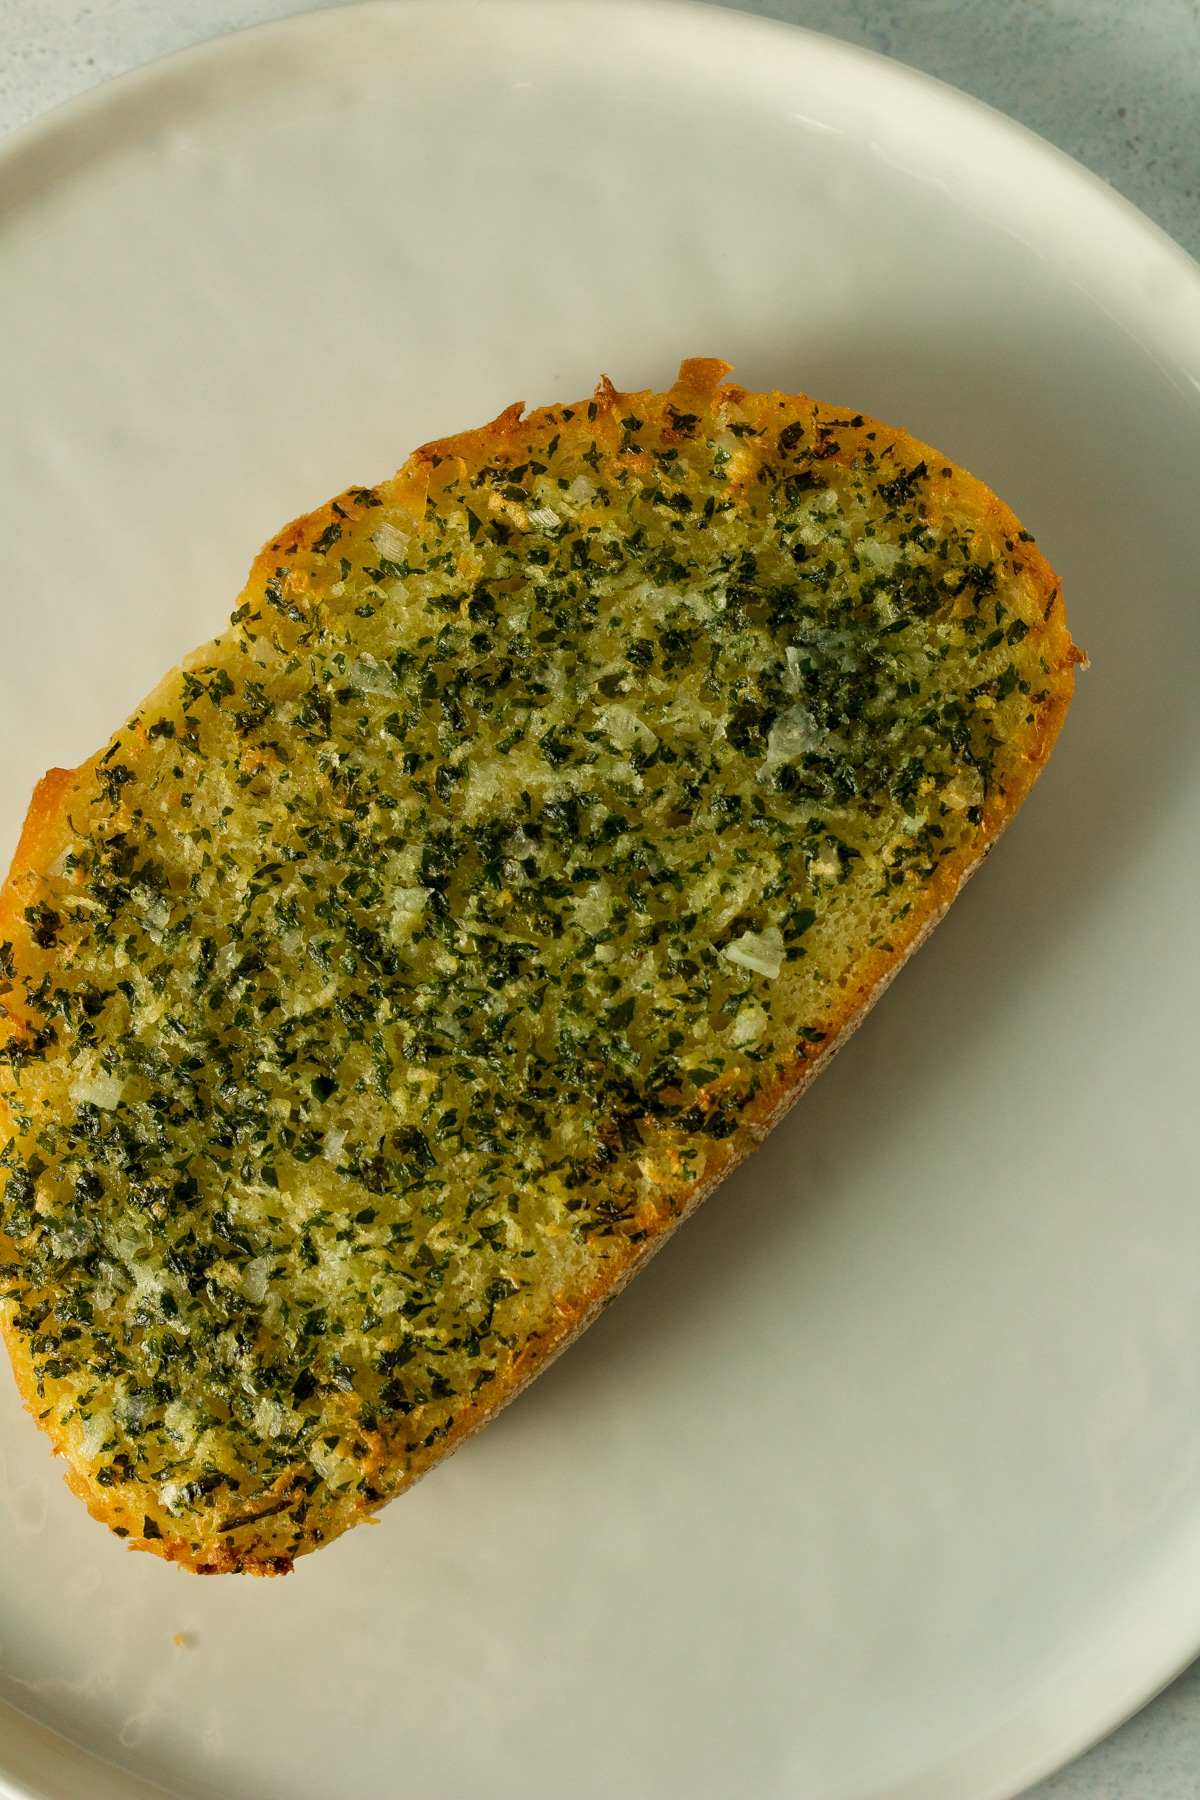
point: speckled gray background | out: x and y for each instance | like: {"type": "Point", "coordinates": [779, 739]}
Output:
{"type": "Point", "coordinates": [1115, 83]}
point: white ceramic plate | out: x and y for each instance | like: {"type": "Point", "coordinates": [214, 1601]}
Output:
{"type": "Point", "coordinates": [885, 1479]}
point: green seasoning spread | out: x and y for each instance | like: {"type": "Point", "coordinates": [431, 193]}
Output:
{"type": "Point", "coordinates": [419, 942]}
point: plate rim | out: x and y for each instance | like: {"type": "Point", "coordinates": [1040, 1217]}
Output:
{"type": "Point", "coordinates": [37, 140]}
{"type": "Point", "coordinates": [115, 91]}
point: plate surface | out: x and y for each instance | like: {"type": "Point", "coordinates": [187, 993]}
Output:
{"type": "Point", "coordinates": [884, 1481]}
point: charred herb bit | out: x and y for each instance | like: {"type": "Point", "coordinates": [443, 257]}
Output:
{"type": "Point", "coordinates": [44, 925]}
{"type": "Point", "coordinates": [900, 490]}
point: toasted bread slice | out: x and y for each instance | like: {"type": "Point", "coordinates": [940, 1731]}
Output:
{"type": "Point", "coordinates": [415, 959]}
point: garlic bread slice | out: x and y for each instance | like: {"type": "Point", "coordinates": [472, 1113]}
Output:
{"type": "Point", "coordinates": [421, 952]}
